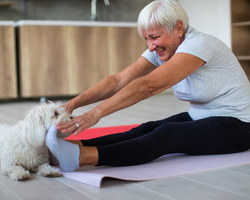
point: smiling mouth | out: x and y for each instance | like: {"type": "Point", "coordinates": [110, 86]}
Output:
{"type": "Point", "coordinates": [161, 50]}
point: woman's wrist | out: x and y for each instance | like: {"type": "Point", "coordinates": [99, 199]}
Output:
{"type": "Point", "coordinates": [97, 113]}
{"type": "Point", "coordinates": [68, 107]}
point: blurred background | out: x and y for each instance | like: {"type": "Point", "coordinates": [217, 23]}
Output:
{"type": "Point", "coordinates": [61, 47]}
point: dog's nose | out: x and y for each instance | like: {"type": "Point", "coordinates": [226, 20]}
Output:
{"type": "Point", "coordinates": [71, 118]}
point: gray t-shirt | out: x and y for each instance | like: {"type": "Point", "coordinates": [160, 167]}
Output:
{"type": "Point", "coordinates": [218, 88]}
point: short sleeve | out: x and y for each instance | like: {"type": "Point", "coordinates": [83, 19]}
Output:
{"type": "Point", "coordinates": [153, 58]}
{"type": "Point", "coordinates": [195, 44]}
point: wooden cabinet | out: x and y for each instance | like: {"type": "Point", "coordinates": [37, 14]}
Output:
{"type": "Point", "coordinates": [66, 60]}
{"type": "Point", "coordinates": [124, 47]}
{"type": "Point", "coordinates": [8, 75]}
{"type": "Point", "coordinates": [240, 11]}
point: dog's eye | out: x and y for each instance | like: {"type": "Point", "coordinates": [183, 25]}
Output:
{"type": "Point", "coordinates": [56, 113]}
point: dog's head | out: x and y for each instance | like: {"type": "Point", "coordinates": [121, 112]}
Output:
{"type": "Point", "coordinates": [40, 118]}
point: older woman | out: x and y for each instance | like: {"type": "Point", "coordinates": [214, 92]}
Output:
{"type": "Point", "coordinates": [200, 69]}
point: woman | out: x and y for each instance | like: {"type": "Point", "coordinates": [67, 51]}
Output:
{"type": "Point", "coordinates": [200, 69]}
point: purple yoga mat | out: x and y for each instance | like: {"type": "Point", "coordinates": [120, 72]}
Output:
{"type": "Point", "coordinates": [164, 167]}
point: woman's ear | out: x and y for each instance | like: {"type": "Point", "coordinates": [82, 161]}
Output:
{"type": "Point", "coordinates": [179, 28]}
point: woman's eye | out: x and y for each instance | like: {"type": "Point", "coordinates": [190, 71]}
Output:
{"type": "Point", "coordinates": [155, 37]}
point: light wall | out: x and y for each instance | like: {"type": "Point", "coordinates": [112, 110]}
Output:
{"type": "Point", "coordinates": [210, 16]}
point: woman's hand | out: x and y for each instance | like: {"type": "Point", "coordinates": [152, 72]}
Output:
{"type": "Point", "coordinates": [79, 123]}
{"type": "Point", "coordinates": [67, 107]}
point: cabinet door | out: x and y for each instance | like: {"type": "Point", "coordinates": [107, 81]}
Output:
{"type": "Point", "coordinates": [124, 47]}
{"type": "Point", "coordinates": [43, 61]}
{"type": "Point", "coordinates": [88, 57]}
{"type": "Point", "coordinates": [8, 75]}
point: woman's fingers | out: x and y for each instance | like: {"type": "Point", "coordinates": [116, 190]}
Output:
{"type": "Point", "coordinates": [83, 122]}
{"type": "Point", "coordinates": [70, 126]}
{"type": "Point", "coordinates": [77, 124]}
{"type": "Point", "coordinates": [79, 130]}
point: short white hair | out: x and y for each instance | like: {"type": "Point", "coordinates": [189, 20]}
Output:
{"type": "Point", "coordinates": [163, 13]}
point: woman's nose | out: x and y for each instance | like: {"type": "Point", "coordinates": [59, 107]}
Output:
{"type": "Point", "coordinates": [151, 46]}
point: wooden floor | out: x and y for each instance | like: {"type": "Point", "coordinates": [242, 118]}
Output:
{"type": "Point", "coordinates": [224, 184]}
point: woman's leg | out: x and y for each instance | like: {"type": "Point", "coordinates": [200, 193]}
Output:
{"type": "Point", "coordinates": [214, 135]}
{"type": "Point", "coordinates": [89, 154]}
{"type": "Point", "coordinates": [135, 132]}
{"type": "Point", "coordinates": [220, 135]}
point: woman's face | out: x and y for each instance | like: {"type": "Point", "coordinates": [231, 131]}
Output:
{"type": "Point", "coordinates": [162, 43]}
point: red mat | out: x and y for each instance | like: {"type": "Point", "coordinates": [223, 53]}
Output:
{"type": "Point", "coordinates": [98, 132]}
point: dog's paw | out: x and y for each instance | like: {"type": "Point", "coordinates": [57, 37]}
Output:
{"type": "Point", "coordinates": [48, 171]}
{"type": "Point", "coordinates": [20, 174]}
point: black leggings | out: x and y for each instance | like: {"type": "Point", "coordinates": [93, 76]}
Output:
{"type": "Point", "coordinates": [176, 134]}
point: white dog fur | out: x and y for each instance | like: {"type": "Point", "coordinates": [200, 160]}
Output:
{"type": "Point", "coordinates": [22, 146]}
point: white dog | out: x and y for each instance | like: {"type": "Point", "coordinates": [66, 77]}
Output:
{"type": "Point", "coordinates": [22, 146]}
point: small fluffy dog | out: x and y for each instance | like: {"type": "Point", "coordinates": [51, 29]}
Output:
{"type": "Point", "coordinates": [22, 146]}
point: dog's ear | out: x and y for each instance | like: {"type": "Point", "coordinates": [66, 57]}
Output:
{"type": "Point", "coordinates": [34, 131]}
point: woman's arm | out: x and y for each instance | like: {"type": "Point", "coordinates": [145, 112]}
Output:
{"type": "Point", "coordinates": [170, 73]}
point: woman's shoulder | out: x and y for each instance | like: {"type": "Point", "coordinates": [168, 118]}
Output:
{"type": "Point", "coordinates": [202, 45]}
{"type": "Point", "coordinates": [200, 38]}
{"type": "Point", "coordinates": [195, 37]}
